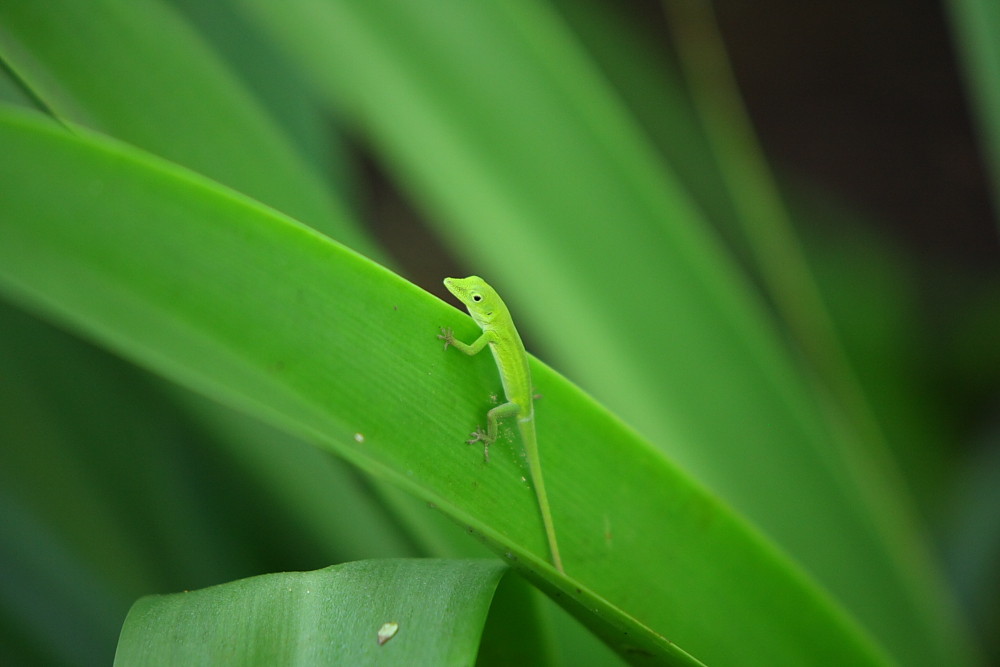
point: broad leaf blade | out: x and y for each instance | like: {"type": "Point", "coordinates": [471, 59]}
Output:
{"type": "Point", "coordinates": [230, 298]}
{"type": "Point", "coordinates": [499, 125]}
{"type": "Point", "coordinates": [327, 617]}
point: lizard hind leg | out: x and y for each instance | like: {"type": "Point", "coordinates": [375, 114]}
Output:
{"type": "Point", "coordinates": [493, 418]}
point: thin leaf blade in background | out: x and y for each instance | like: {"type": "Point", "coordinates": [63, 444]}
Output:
{"type": "Point", "coordinates": [976, 26]}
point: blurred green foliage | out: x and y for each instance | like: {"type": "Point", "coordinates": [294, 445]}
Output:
{"type": "Point", "coordinates": [766, 344]}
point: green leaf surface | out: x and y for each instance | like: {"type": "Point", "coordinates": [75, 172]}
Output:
{"type": "Point", "coordinates": [641, 68]}
{"type": "Point", "coordinates": [560, 202]}
{"type": "Point", "coordinates": [278, 86]}
{"type": "Point", "coordinates": [328, 498]}
{"type": "Point", "coordinates": [328, 617]}
{"type": "Point", "coordinates": [110, 490]}
{"type": "Point", "coordinates": [92, 472]}
{"type": "Point", "coordinates": [225, 296]}
{"type": "Point", "coordinates": [183, 102]}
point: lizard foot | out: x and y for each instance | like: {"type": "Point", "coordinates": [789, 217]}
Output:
{"type": "Point", "coordinates": [448, 336]}
{"type": "Point", "coordinates": [479, 435]}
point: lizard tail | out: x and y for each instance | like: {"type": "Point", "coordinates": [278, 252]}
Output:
{"type": "Point", "coordinates": [527, 429]}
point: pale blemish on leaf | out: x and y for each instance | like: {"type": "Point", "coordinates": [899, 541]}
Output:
{"type": "Point", "coordinates": [387, 632]}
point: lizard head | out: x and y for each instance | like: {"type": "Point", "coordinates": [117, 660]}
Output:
{"type": "Point", "coordinates": [483, 302]}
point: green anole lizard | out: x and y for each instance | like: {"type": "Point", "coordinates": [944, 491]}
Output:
{"type": "Point", "coordinates": [492, 316]}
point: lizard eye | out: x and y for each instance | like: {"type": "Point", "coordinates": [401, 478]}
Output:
{"type": "Point", "coordinates": [477, 297]}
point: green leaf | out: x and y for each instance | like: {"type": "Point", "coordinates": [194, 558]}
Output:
{"type": "Point", "coordinates": [328, 499]}
{"type": "Point", "coordinates": [110, 491]}
{"type": "Point", "coordinates": [228, 297]}
{"type": "Point", "coordinates": [541, 178]}
{"type": "Point", "coordinates": [278, 87]}
{"type": "Point", "coordinates": [386, 612]}
{"type": "Point", "coordinates": [182, 102]}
